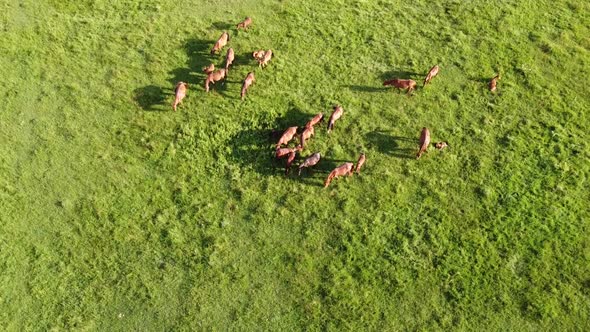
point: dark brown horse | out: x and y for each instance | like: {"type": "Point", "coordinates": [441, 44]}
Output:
{"type": "Point", "coordinates": [494, 82]}
{"type": "Point", "coordinates": [344, 169]}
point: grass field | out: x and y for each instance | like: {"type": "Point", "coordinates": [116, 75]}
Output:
{"type": "Point", "coordinates": [118, 214]}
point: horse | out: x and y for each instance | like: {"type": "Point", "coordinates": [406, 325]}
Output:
{"type": "Point", "coordinates": [209, 69]}
{"type": "Point", "coordinates": [335, 116]}
{"type": "Point", "coordinates": [306, 134]}
{"type": "Point", "coordinates": [360, 163]}
{"type": "Point", "coordinates": [229, 59]}
{"type": "Point", "coordinates": [310, 161]}
{"type": "Point", "coordinates": [264, 58]}
{"type": "Point", "coordinates": [315, 120]}
{"type": "Point", "coordinates": [494, 82]}
{"type": "Point", "coordinates": [287, 136]}
{"type": "Point", "coordinates": [180, 93]}
{"type": "Point", "coordinates": [424, 142]}
{"type": "Point", "coordinates": [441, 145]}
{"type": "Point", "coordinates": [249, 80]}
{"type": "Point", "coordinates": [431, 74]}
{"type": "Point", "coordinates": [281, 152]}
{"type": "Point", "coordinates": [215, 76]}
{"type": "Point", "coordinates": [244, 24]}
{"type": "Point", "coordinates": [220, 43]}
{"type": "Point", "coordinates": [401, 84]}
{"type": "Point", "coordinates": [344, 169]}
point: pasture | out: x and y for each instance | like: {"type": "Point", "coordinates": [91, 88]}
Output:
{"type": "Point", "coordinates": [118, 214]}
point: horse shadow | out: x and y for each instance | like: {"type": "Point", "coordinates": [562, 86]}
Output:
{"type": "Point", "coordinates": [255, 148]}
{"type": "Point", "coordinates": [363, 88]}
{"type": "Point", "coordinates": [223, 26]}
{"type": "Point", "coordinates": [395, 146]}
{"type": "Point", "coordinates": [151, 96]}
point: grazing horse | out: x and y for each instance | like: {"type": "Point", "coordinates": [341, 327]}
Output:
{"type": "Point", "coordinates": [401, 84]}
{"type": "Point", "coordinates": [306, 134]}
{"type": "Point", "coordinates": [431, 74]}
{"type": "Point", "coordinates": [221, 42]}
{"type": "Point", "coordinates": [287, 136]}
{"type": "Point", "coordinates": [315, 120]}
{"type": "Point", "coordinates": [310, 161]}
{"type": "Point", "coordinates": [215, 76]}
{"type": "Point", "coordinates": [441, 145]}
{"type": "Point", "coordinates": [335, 116]}
{"type": "Point", "coordinates": [249, 80]}
{"type": "Point", "coordinates": [360, 163]}
{"type": "Point", "coordinates": [209, 69]}
{"type": "Point", "coordinates": [344, 169]}
{"type": "Point", "coordinates": [264, 59]}
{"type": "Point", "coordinates": [180, 93]}
{"type": "Point", "coordinates": [258, 55]}
{"type": "Point", "coordinates": [229, 59]}
{"type": "Point", "coordinates": [290, 160]}
{"type": "Point", "coordinates": [281, 152]}
{"type": "Point", "coordinates": [494, 82]}
{"type": "Point", "coordinates": [244, 24]}
{"type": "Point", "coordinates": [424, 141]}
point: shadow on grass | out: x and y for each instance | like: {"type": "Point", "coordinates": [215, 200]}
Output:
{"type": "Point", "coordinates": [150, 96]}
{"type": "Point", "coordinates": [363, 88]}
{"type": "Point", "coordinates": [198, 57]}
{"type": "Point", "coordinates": [222, 26]}
{"type": "Point", "coordinates": [396, 146]}
{"type": "Point", "coordinates": [255, 148]}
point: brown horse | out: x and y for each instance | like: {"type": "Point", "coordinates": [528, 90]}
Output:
{"type": "Point", "coordinates": [229, 59]}
{"type": "Point", "coordinates": [424, 142]}
{"type": "Point", "coordinates": [306, 134]}
{"type": "Point", "coordinates": [431, 74]}
{"type": "Point", "coordinates": [180, 93]}
{"type": "Point", "coordinates": [360, 163]}
{"type": "Point", "coordinates": [258, 55]}
{"type": "Point", "coordinates": [249, 80]}
{"type": "Point", "coordinates": [290, 160]}
{"type": "Point", "coordinates": [221, 42]}
{"type": "Point", "coordinates": [344, 169]}
{"type": "Point", "coordinates": [215, 76]}
{"type": "Point", "coordinates": [281, 152]}
{"type": "Point", "coordinates": [310, 161]}
{"type": "Point", "coordinates": [401, 84]}
{"type": "Point", "coordinates": [209, 69]}
{"type": "Point", "coordinates": [315, 120]}
{"type": "Point", "coordinates": [494, 82]}
{"type": "Point", "coordinates": [287, 136]}
{"type": "Point", "coordinates": [264, 59]}
{"type": "Point", "coordinates": [335, 116]}
{"type": "Point", "coordinates": [244, 24]}
{"type": "Point", "coordinates": [441, 145]}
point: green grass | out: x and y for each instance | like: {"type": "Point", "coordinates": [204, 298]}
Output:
{"type": "Point", "coordinates": [118, 214]}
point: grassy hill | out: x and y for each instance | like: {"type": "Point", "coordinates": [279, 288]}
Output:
{"type": "Point", "coordinates": [118, 214]}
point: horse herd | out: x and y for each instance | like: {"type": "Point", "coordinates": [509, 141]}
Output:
{"type": "Point", "coordinates": [263, 57]}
